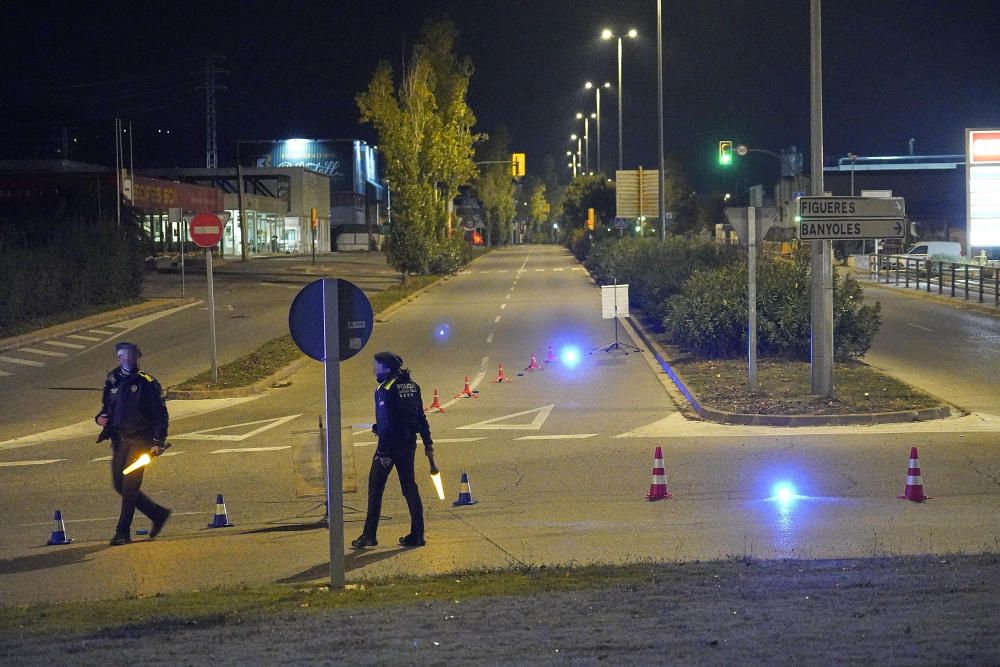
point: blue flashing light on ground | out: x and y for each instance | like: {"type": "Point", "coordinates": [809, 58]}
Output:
{"type": "Point", "coordinates": [570, 356]}
{"type": "Point", "coordinates": [442, 332]}
{"type": "Point", "coordinates": [784, 493]}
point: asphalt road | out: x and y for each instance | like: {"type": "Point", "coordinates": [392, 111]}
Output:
{"type": "Point", "coordinates": [559, 460]}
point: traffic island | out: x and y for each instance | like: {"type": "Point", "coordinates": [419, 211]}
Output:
{"type": "Point", "coordinates": [718, 390]}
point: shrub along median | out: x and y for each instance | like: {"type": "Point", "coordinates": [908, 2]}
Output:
{"type": "Point", "coordinates": [692, 295]}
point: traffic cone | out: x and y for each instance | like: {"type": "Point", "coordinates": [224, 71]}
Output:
{"type": "Point", "coordinates": [435, 404]}
{"type": "Point", "coordinates": [550, 357]}
{"type": "Point", "coordinates": [221, 519]}
{"type": "Point", "coordinates": [914, 482]}
{"type": "Point", "coordinates": [658, 489]}
{"type": "Point", "coordinates": [501, 377]}
{"type": "Point", "coordinates": [465, 493]}
{"type": "Point", "coordinates": [467, 391]}
{"type": "Point", "coordinates": [533, 366]}
{"type": "Point", "coordinates": [59, 535]}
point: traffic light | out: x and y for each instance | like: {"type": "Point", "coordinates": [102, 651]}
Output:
{"type": "Point", "coordinates": [517, 165]}
{"type": "Point", "coordinates": [725, 153]}
{"type": "Point", "coordinates": [590, 219]}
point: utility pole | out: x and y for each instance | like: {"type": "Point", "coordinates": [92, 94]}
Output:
{"type": "Point", "coordinates": [662, 197]}
{"type": "Point", "coordinates": [821, 366]}
{"type": "Point", "coordinates": [211, 86]}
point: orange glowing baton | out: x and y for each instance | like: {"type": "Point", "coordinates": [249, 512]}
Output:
{"type": "Point", "coordinates": [436, 478]}
{"type": "Point", "coordinates": [143, 460]}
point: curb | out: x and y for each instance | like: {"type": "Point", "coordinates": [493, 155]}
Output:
{"type": "Point", "coordinates": [745, 419]}
{"type": "Point", "coordinates": [147, 307]}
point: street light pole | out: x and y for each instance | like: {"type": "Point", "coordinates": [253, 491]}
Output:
{"type": "Point", "coordinates": [607, 34]}
{"type": "Point", "coordinates": [586, 140]}
{"type": "Point", "coordinates": [659, 118]}
{"type": "Point", "coordinates": [853, 158]}
{"type": "Point", "coordinates": [597, 117]}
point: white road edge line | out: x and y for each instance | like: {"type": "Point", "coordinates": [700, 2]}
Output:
{"type": "Point", "coordinates": [40, 462]}
{"type": "Point", "coordinates": [101, 518]}
{"type": "Point", "coordinates": [250, 449]}
{"type": "Point", "coordinates": [917, 326]}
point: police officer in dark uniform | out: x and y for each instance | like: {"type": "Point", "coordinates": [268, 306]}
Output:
{"type": "Point", "coordinates": [399, 417]}
{"type": "Point", "coordinates": [134, 418]}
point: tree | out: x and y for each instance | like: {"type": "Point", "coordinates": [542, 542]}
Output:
{"type": "Point", "coordinates": [495, 186]}
{"type": "Point", "coordinates": [424, 130]}
{"type": "Point", "coordinates": [588, 192]}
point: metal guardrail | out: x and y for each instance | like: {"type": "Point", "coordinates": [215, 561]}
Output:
{"type": "Point", "coordinates": [970, 281]}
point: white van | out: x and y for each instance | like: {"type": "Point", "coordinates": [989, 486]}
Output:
{"type": "Point", "coordinates": [928, 249]}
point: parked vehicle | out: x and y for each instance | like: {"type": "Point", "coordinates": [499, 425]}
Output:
{"type": "Point", "coordinates": [928, 249]}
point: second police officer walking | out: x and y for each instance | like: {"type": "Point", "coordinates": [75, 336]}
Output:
{"type": "Point", "coordinates": [134, 417]}
{"type": "Point", "coordinates": [399, 418]}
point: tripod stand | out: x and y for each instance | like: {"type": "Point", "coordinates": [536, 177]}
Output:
{"type": "Point", "coordinates": [612, 312]}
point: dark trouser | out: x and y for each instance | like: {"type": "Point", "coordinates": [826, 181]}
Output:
{"type": "Point", "coordinates": [126, 451]}
{"type": "Point", "coordinates": [378, 476]}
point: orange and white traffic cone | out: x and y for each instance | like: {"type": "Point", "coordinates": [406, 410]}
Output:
{"type": "Point", "coordinates": [467, 391]}
{"type": "Point", "coordinates": [658, 489]}
{"type": "Point", "coordinates": [550, 357]}
{"type": "Point", "coordinates": [533, 366]}
{"type": "Point", "coordinates": [501, 377]}
{"type": "Point", "coordinates": [435, 404]}
{"type": "Point", "coordinates": [914, 482]}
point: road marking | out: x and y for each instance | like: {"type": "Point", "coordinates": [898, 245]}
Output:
{"type": "Point", "coordinates": [502, 271]}
{"type": "Point", "coordinates": [102, 332]}
{"type": "Point", "coordinates": [502, 306]}
{"type": "Point", "coordinates": [558, 269]}
{"type": "Point", "coordinates": [108, 458]}
{"type": "Point", "coordinates": [250, 449]}
{"type": "Point", "coordinates": [41, 462]}
{"type": "Point", "coordinates": [507, 297]}
{"type": "Point", "coordinates": [486, 271]}
{"type": "Point", "coordinates": [204, 434]}
{"type": "Point", "coordinates": [489, 339]}
{"type": "Point", "coordinates": [284, 285]}
{"type": "Point", "coordinates": [539, 270]}
{"type": "Point", "coordinates": [23, 362]}
{"type": "Point", "coordinates": [79, 337]}
{"type": "Point", "coordinates": [577, 268]}
{"type": "Point", "coordinates": [46, 353]}
{"type": "Point", "coordinates": [541, 414]}
{"type": "Point", "coordinates": [102, 518]}
{"type": "Point", "coordinates": [570, 436]}
{"type": "Point", "coordinates": [496, 320]}
{"type": "Point", "coordinates": [917, 326]}
{"type": "Point", "coordinates": [59, 343]}
{"type": "Point", "coordinates": [437, 441]}
{"type": "Point", "coordinates": [3, 373]}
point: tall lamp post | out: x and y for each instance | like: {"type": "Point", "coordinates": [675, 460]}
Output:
{"type": "Point", "coordinates": [597, 90]}
{"type": "Point", "coordinates": [586, 139]}
{"type": "Point", "coordinates": [607, 34]}
{"type": "Point", "coordinates": [572, 163]}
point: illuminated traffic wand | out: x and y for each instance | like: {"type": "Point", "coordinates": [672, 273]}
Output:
{"type": "Point", "coordinates": [436, 478]}
{"type": "Point", "coordinates": [143, 460]}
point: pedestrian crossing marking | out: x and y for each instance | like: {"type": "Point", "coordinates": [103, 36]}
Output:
{"type": "Point", "coordinates": [541, 414]}
{"type": "Point", "coordinates": [41, 462]}
{"type": "Point", "coordinates": [46, 353]}
{"type": "Point", "coordinates": [80, 337]}
{"type": "Point", "coordinates": [59, 343]}
{"type": "Point", "coordinates": [242, 450]}
{"type": "Point", "coordinates": [213, 433]}
{"type": "Point", "coordinates": [22, 362]}
{"type": "Point", "coordinates": [102, 332]}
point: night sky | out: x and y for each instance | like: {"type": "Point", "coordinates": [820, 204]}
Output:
{"type": "Point", "coordinates": [734, 69]}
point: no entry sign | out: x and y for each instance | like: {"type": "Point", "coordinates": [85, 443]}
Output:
{"type": "Point", "coordinates": [206, 229]}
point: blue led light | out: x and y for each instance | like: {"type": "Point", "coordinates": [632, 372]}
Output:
{"type": "Point", "coordinates": [442, 332]}
{"type": "Point", "coordinates": [784, 493]}
{"type": "Point", "coordinates": [570, 356]}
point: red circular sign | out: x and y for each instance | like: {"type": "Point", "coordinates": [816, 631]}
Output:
{"type": "Point", "coordinates": [206, 229]}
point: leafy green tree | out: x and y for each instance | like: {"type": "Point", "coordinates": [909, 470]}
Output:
{"type": "Point", "coordinates": [495, 187]}
{"type": "Point", "coordinates": [588, 192]}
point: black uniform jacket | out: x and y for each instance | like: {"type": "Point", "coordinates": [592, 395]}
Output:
{"type": "Point", "coordinates": [399, 415]}
{"type": "Point", "coordinates": [135, 407]}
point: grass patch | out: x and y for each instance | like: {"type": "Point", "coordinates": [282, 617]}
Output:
{"type": "Point", "coordinates": [784, 388]}
{"type": "Point", "coordinates": [277, 353]}
{"type": "Point", "coordinates": [233, 604]}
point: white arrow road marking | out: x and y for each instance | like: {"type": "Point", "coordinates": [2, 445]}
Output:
{"type": "Point", "coordinates": [22, 362]}
{"type": "Point", "coordinates": [541, 414]}
{"type": "Point", "coordinates": [88, 429]}
{"type": "Point", "coordinates": [45, 353]}
{"type": "Point", "coordinates": [569, 436]}
{"type": "Point", "coordinates": [59, 343]}
{"type": "Point", "coordinates": [204, 434]}
{"type": "Point", "coordinates": [41, 462]}
{"type": "Point", "coordinates": [250, 449]}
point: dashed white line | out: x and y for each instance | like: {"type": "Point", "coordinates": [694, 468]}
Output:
{"type": "Point", "coordinates": [47, 353]}
{"type": "Point", "coordinates": [507, 298]}
{"type": "Point", "coordinates": [22, 362]}
{"type": "Point", "coordinates": [496, 320]}
{"type": "Point", "coordinates": [502, 306]}
{"type": "Point", "coordinates": [101, 518]}
{"type": "Point", "coordinates": [59, 343]}
{"type": "Point", "coordinates": [558, 269]}
{"type": "Point", "coordinates": [570, 436]}
{"type": "Point", "coordinates": [539, 270]}
{"type": "Point", "coordinates": [41, 462]}
{"type": "Point", "coordinates": [917, 326]}
{"type": "Point", "coordinates": [79, 337]}
{"type": "Point", "coordinates": [489, 339]}
{"type": "Point", "coordinates": [250, 449]}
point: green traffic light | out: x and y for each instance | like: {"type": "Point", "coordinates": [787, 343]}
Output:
{"type": "Point", "coordinates": [726, 159]}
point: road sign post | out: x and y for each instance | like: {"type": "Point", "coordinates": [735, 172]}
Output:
{"type": "Point", "coordinates": [331, 320]}
{"type": "Point", "coordinates": [206, 231]}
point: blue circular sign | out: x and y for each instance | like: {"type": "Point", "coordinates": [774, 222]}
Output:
{"type": "Point", "coordinates": [344, 305]}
